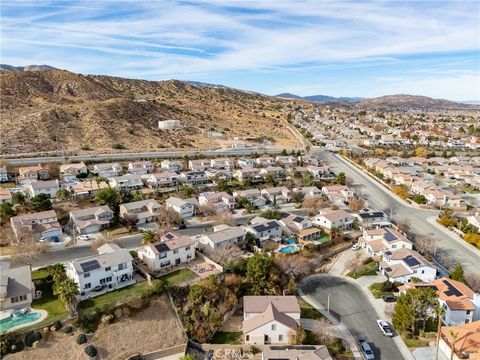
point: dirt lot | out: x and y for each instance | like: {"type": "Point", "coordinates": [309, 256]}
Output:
{"type": "Point", "coordinates": [151, 329]}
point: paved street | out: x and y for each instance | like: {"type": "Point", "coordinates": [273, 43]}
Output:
{"type": "Point", "coordinates": [379, 198]}
{"type": "Point", "coordinates": [350, 306]}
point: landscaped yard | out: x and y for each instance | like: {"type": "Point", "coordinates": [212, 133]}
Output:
{"type": "Point", "coordinates": [378, 290]}
{"type": "Point", "coordinates": [369, 268]}
{"type": "Point", "coordinates": [179, 276]}
{"type": "Point", "coordinates": [227, 337]}
{"type": "Point", "coordinates": [323, 239]}
{"type": "Point", "coordinates": [415, 343]}
{"type": "Point", "coordinates": [39, 274]}
{"type": "Point", "coordinates": [307, 311]}
{"type": "Point", "coordinates": [113, 298]}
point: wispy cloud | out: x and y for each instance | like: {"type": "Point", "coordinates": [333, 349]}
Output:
{"type": "Point", "coordinates": [166, 39]}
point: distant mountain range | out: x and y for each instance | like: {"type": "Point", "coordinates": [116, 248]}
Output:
{"type": "Point", "coordinates": [10, 68]}
{"type": "Point", "coordinates": [319, 98]}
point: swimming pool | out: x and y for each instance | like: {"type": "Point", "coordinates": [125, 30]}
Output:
{"type": "Point", "coordinates": [11, 322]}
{"type": "Point", "coordinates": [290, 241]}
{"type": "Point", "coordinates": [288, 249]}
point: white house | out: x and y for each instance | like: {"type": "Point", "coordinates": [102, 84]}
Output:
{"type": "Point", "coordinates": [16, 288]}
{"type": "Point", "coordinates": [145, 211]}
{"type": "Point", "coordinates": [184, 207]}
{"type": "Point", "coordinates": [300, 227]}
{"type": "Point", "coordinates": [222, 237]}
{"type": "Point", "coordinates": [169, 253]}
{"type": "Point", "coordinates": [461, 304]}
{"type": "Point", "coordinates": [253, 196]}
{"type": "Point", "coordinates": [251, 174]}
{"type": "Point", "coordinates": [126, 182]}
{"type": "Point", "coordinates": [246, 163]}
{"type": "Point", "coordinates": [95, 275]}
{"type": "Point", "coordinates": [280, 195]}
{"type": "Point", "coordinates": [107, 170]}
{"type": "Point", "coordinates": [91, 220]}
{"type": "Point", "coordinates": [265, 230]}
{"type": "Point", "coordinates": [309, 191]}
{"type": "Point", "coordinates": [172, 165]}
{"type": "Point", "coordinates": [70, 171]}
{"type": "Point", "coordinates": [47, 187]}
{"type": "Point", "coordinates": [338, 193]}
{"type": "Point", "coordinates": [141, 167]}
{"type": "Point", "coordinates": [403, 264]}
{"type": "Point", "coordinates": [42, 224]}
{"type": "Point", "coordinates": [5, 196]}
{"type": "Point", "coordinates": [194, 178]}
{"type": "Point", "coordinates": [198, 165]}
{"type": "Point", "coordinates": [221, 164]}
{"type": "Point", "coordinates": [378, 240]}
{"type": "Point", "coordinates": [3, 174]}
{"type": "Point", "coordinates": [270, 319]}
{"type": "Point", "coordinates": [265, 161]}
{"type": "Point", "coordinates": [330, 218]}
{"type": "Point", "coordinates": [166, 179]}
{"type": "Point", "coordinates": [221, 201]}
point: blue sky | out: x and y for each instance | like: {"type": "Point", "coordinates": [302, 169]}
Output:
{"type": "Point", "coordinates": [337, 48]}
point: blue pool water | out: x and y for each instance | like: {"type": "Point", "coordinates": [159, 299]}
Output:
{"type": "Point", "coordinates": [10, 322]}
{"type": "Point", "coordinates": [288, 249]}
{"type": "Point", "coordinates": [290, 241]}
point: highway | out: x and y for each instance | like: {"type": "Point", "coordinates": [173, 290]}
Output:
{"type": "Point", "coordinates": [449, 248]}
{"type": "Point", "coordinates": [350, 306]}
{"type": "Point", "coordinates": [17, 161]}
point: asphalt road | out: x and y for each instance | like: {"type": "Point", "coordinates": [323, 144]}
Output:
{"type": "Point", "coordinates": [350, 306]}
{"type": "Point", "coordinates": [140, 155]}
{"type": "Point", "coordinates": [450, 249]}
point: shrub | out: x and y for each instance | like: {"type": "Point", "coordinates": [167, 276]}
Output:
{"type": "Point", "coordinates": [81, 339]}
{"type": "Point", "coordinates": [18, 346]}
{"type": "Point", "coordinates": [118, 146]}
{"type": "Point", "coordinates": [32, 337]}
{"type": "Point", "coordinates": [57, 325]}
{"type": "Point", "coordinates": [67, 329]}
{"type": "Point", "coordinates": [91, 351]}
{"type": "Point", "coordinates": [5, 345]}
{"type": "Point", "coordinates": [88, 322]}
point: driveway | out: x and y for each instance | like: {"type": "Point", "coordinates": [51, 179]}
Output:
{"type": "Point", "coordinates": [351, 307]}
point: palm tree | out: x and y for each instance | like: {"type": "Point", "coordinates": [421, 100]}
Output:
{"type": "Point", "coordinates": [454, 336]}
{"type": "Point", "coordinates": [67, 291]}
{"type": "Point", "coordinates": [57, 271]}
{"type": "Point", "coordinates": [440, 310]}
{"type": "Point", "coordinates": [148, 237]}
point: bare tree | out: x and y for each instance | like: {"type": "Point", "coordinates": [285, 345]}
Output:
{"type": "Point", "coordinates": [356, 204]}
{"type": "Point", "coordinates": [224, 218]}
{"type": "Point", "coordinates": [27, 248]}
{"type": "Point", "coordinates": [315, 204]}
{"type": "Point", "coordinates": [206, 210]}
{"type": "Point", "coordinates": [403, 225]}
{"type": "Point", "coordinates": [106, 240]}
{"type": "Point", "coordinates": [425, 245]}
{"type": "Point", "coordinates": [225, 255]}
{"type": "Point", "coordinates": [473, 281]}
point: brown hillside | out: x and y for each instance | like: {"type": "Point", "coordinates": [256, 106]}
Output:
{"type": "Point", "coordinates": [97, 112]}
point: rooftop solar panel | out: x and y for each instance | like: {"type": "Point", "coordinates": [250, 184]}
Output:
{"type": "Point", "coordinates": [389, 236]}
{"type": "Point", "coordinates": [90, 265]}
{"type": "Point", "coordinates": [298, 219]}
{"type": "Point", "coordinates": [411, 261]}
{"type": "Point", "coordinates": [161, 247]}
{"type": "Point", "coordinates": [451, 290]}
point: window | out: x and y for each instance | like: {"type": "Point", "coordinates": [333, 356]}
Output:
{"type": "Point", "coordinates": [87, 286]}
{"type": "Point", "coordinates": [280, 337]}
{"type": "Point", "coordinates": [102, 281]}
{"type": "Point", "coordinates": [162, 255]}
{"type": "Point", "coordinates": [86, 275]}
{"type": "Point", "coordinates": [175, 251]}
{"type": "Point", "coordinates": [247, 337]}
{"type": "Point", "coordinates": [108, 268]}
{"type": "Point", "coordinates": [468, 312]}
{"type": "Point", "coordinates": [122, 266]}
{"type": "Point", "coordinates": [109, 279]}
{"type": "Point", "coordinates": [274, 327]}
{"type": "Point", "coordinates": [187, 248]}
{"type": "Point", "coordinates": [19, 298]}
{"type": "Point", "coordinates": [164, 264]}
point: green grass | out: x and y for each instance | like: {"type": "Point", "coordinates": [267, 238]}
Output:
{"type": "Point", "coordinates": [114, 298]}
{"type": "Point", "coordinates": [179, 276]}
{"type": "Point", "coordinates": [311, 338]}
{"type": "Point", "coordinates": [369, 268]}
{"type": "Point", "coordinates": [227, 337]}
{"type": "Point", "coordinates": [377, 291]}
{"type": "Point", "coordinates": [323, 239]}
{"type": "Point", "coordinates": [307, 311]}
{"type": "Point", "coordinates": [414, 343]}
{"type": "Point", "coordinates": [39, 274]}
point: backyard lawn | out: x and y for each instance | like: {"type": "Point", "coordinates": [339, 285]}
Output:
{"type": "Point", "coordinates": [39, 274]}
{"type": "Point", "coordinates": [383, 288]}
{"type": "Point", "coordinates": [112, 298]}
{"type": "Point", "coordinates": [227, 337]}
{"type": "Point", "coordinates": [179, 276]}
{"type": "Point", "coordinates": [369, 268]}
{"type": "Point", "coordinates": [307, 311]}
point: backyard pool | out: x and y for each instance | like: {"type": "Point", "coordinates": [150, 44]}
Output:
{"type": "Point", "coordinates": [290, 241]}
{"type": "Point", "coordinates": [288, 249]}
{"type": "Point", "coordinates": [11, 322]}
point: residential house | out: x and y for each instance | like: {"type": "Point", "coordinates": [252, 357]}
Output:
{"type": "Point", "coordinates": [222, 164]}
{"type": "Point", "coordinates": [16, 288]}
{"type": "Point", "coordinates": [91, 220]}
{"type": "Point", "coordinates": [309, 192]}
{"type": "Point", "coordinates": [88, 188]}
{"type": "Point", "coordinates": [166, 179]}
{"type": "Point", "coordinates": [279, 195]}
{"type": "Point", "coordinates": [275, 171]}
{"type": "Point", "coordinates": [251, 174]}
{"type": "Point", "coordinates": [246, 163]}
{"type": "Point", "coordinates": [462, 340]}
{"type": "Point", "coordinates": [42, 224]}
{"type": "Point", "coordinates": [194, 178]}
{"type": "Point", "coordinates": [270, 319]}
{"type": "Point", "coordinates": [214, 175]}
{"type": "Point", "coordinates": [220, 201]}
{"type": "Point", "coordinates": [309, 159]}
{"type": "Point", "coordinates": [3, 174]}
{"type": "Point", "coordinates": [338, 193]}
{"type": "Point", "coordinates": [47, 187]}
{"type": "Point", "coordinates": [461, 304]}
{"type": "Point", "coordinates": [126, 182]}
{"type": "Point", "coordinates": [402, 265]}
{"type": "Point", "coordinates": [145, 211]}
{"type": "Point", "coordinates": [319, 172]}
{"type": "Point", "coordinates": [311, 352]}
{"type": "Point", "coordinates": [265, 161]}
{"type": "Point", "coordinates": [95, 275]}
{"type": "Point", "coordinates": [287, 161]}
{"type": "Point", "coordinates": [377, 241]}
{"type": "Point", "coordinates": [253, 196]}
{"type": "Point", "coordinates": [420, 186]}
{"type": "Point", "coordinates": [107, 170]}
{"type": "Point", "coordinates": [5, 196]}
{"type": "Point", "coordinates": [370, 219]}
{"type": "Point", "coordinates": [264, 229]}
{"type": "Point", "coordinates": [222, 237]}
{"type": "Point", "coordinates": [300, 227]}
{"type": "Point", "coordinates": [169, 253]}
{"type": "Point", "coordinates": [141, 167]}
{"type": "Point", "coordinates": [186, 208]}
{"type": "Point", "coordinates": [334, 219]}
{"type": "Point", "coordinates": [172, 165]}
{"type": "Point", "coordinates": [31, 173]}
{"type": "Point", "coordinates": [70, 172]}
{"type": "Point", "coordinates": [198, 165]}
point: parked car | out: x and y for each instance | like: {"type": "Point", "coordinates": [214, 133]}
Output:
{"type": "Point", "coordinates": [355, 247]}
{"type": "Point", "coordinates": [389, 298]}
{"type": "Point", "coordinates": [83, 237]}
{"type": "Point", "coordinates": [385, 327]}
{"type": "Point", "coordinates": [366, 349]}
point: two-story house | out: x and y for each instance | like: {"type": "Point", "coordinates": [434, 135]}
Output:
{"type": "Point", "coordinates": [95, 275]}
{"type": "Point", "coordinates": [220, 201]}
{"type": "Point", "coordinates": [126, 182]}
{"type": "Point", "coordinates": [222, 164]}
{"type": "Point", "coordinates": [194, 178]}
{"type": "Point", "coordinates": [222, 237]}
{"type": "Point", "coordinates": [144, 211]}
{"type": "Point", "coordinates": [376, 241]}
{"type": "Point", "coordinates": [253, 196]}
{"type": "Point", "coordinates": [250, 174]}
{"type": "Point", "coordinates": [403, 264]}
{"type": "Point", "coordinates": [309, 192]}
{"type": "Point", "coordinates": [91, 220]}
{"type": "Point", "coordinates": [264, 229]}
{"type": "Point", "coordinates": [169, 253]}
{"type": "Point", "coordinates": [198, 165]}
{"type": "Point", "coordinates": [334, 219]}
{"type": "Point", "coordinates": [43, 225]}
{"type": "Point", "coordinates": [70, 172]}
{"type": "Point", "coordinates": [47, 187]}
{"type": "Point", "coordinates": [338, 193]}
{"type": "Point", "coordinates": [279, 195]}
{"type": "Point", "coordinates": [166, 179]}
{"type": "Point", "coordinates": [370, 219]}
{"type": "Point", "coordinates": [265, 161]}
{"type": "Point", "coordinates": [186, 208]}
{"type": "Point", "coordinates": [300, 227]}
{"type": "Point", "coordinates": [107, 170]}
{"type": "Point", "coordinates": [16, 288]}
{"type": "Point", "coordinates": [3, 174]}
{"type": "Point", "coordinates": [31, 173]}
{"type": "Point", "coordinates": [5, 196]}
{"type": "Point", "coordinates": [270, 319]}
{"type": "Point", "coordinates": [172, 165]}
{"type": "Point", "coordinates": [245, 163]}
{"type": "Point", "coordinates": [141, 167]}
{"type": "Point", "coordinates": [88, 188]}
{"type": "Point", "coordinates": [275, 171]}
